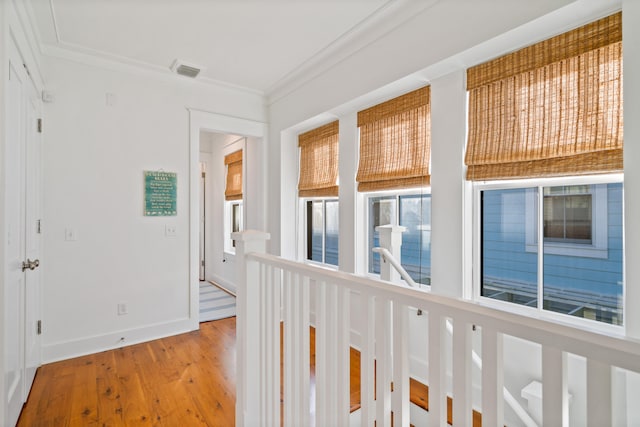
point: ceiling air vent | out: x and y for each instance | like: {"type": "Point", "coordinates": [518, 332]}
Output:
{"type": "Point", "coordinates": [187, 70]}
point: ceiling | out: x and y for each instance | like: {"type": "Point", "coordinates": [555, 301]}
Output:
{"type": "Point", "coordinates": [258, 45]}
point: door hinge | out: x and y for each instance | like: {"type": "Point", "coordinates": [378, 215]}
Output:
{"type": "Point", "coordinates": [202, 263]}
{"type": "Point", "coordinates": [39, 125]}
{"type": "Point", "coordinates": [38, 227]}
{"type": "Point", "coordinates": [39, 327]}
{"type": "Point", "coordinates": [204, 175]}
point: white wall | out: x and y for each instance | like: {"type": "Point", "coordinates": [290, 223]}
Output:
{"type": "Point", "coordinates": [94, 156]}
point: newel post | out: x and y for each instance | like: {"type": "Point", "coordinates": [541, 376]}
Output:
{"type": "Point", "coordinates": [247, 326]}
{"type": "Point", "coordinates": [391, 240]}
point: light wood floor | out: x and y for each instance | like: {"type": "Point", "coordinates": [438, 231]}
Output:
{"type": "Point", "coordinates": [184, 380]}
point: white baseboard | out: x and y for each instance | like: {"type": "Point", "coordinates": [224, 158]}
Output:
{"type": "Point", "coordinates": [223, 282]}
{"type": "Point", "coordinates": [81, 347]}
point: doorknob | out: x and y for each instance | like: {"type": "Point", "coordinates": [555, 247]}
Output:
{"type": "Point", "coordinates": [31, 265]}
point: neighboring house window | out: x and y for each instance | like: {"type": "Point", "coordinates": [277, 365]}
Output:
{"type": "Point", "coordinates": [318, 189]}
{"type": "Point", "coordinates": [322, 231]}
{"type": "Point", "coordinates": [395, 146]}
{"type": "Point", "coordinates": [574, 220]}
{"type": "Point", "coordinates": [233, 199]}
{"type": "Point", "coordinates": [413, 211]}
{"type": "Point", "coordinates": [545, 153]}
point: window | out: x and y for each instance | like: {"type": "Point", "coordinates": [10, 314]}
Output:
{"type": "Point", "coordinates": [319, 180]}
{"type": "Point", "coordinates": [412, 211]}
{"type": "Point", "coordinates": [233, 218]}
{"type": "Point", "coordinates": [553, 275]}
{"type": "Point", "coordinates": [233, 223]}
{"type": "Point", "coordinates": [567, 214]}
{"type": "Point", "coordinates": [545, 149]}
{"type": "Point", "coordinates": [574, 220]}
{"type": "Point", "coordinates": [395, 147]}
{"type": "Point", "coordinates": [322, 231]}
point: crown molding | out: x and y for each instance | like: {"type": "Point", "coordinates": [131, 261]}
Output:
{"type": "Point", "coordinates": [96, 58]}
{"type": "Point", "coordinates": [382, 21]}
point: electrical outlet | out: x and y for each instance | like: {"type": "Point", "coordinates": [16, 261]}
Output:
{"type": "Point", "coordinates": [170, 230]}
{"type": "Point", "coordinates": [122, 309]}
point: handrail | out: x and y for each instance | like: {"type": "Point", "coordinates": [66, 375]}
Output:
{"type": "Point", "coordinates": [286, 289]}
{"type": "Point", "coordinates": [388, 256]}
{"type": "Point", "coordinates": [477, 360]}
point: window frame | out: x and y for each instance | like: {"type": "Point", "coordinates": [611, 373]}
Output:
{"type": "Point", "coordinates": [538, 312]}
{"type": "Point", "coordinates": [395, 194]}
{"type": "Point", "coordinates": [229, 243]}
{"type": "Point", "coordinates": [303, 252]}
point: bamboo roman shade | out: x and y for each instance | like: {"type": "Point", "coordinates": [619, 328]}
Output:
{"type": "Point", "coordinates": [395, 143]}
{"type": "Point", "coordinates": [319, 162]}
{"type": "Point", "coordinates": [550, 109]}
{"type": "Point", "coordinates": [233, 162]}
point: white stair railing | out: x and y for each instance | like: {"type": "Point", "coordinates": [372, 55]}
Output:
{"type": "Point", "coordinates": [269, 285]}
{"type": "Point", "coordinates": [523, 415]}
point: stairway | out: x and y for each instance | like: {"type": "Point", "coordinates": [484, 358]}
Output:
{"type": "Point", "coordinates": [418, 392]}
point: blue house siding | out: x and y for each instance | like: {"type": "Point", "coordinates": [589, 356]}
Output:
{"type": "Point", "coordinates": [507, 261]}
{"type": "Point", "coordinates": [600, 276]}
{"type": "Point", "coordinates": [504, 239]}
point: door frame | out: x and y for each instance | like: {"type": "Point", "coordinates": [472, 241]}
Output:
{"type": "Point", "coordinates": [200, 120]}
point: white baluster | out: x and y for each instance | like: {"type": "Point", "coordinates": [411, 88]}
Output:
{"type": "Point", "coordinates": [599, 412]}
{"type": "Point", "coordinates": [462, 411]}
{"type": "Point", "coordinates": [367, 362]}
{"type": "Point", "coordinates": [492, 378]}
{"type": "Point", "coordinates": [555, 396]}
{"type": "Point", "coordinates": [400, 400]}
{"type": "Point", "coordinates": [343, 356]}
{"type": "Point", "coordinates": [383, 362]}
{"type": "Point", "coordinates": [437, 398]}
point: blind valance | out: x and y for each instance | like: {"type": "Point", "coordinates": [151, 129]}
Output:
{"type": "Point", "coordinates": [319, 162]}
{"type": "Point", "coordinates": [233, 189]}
{"type": "Point", "coordinates": [550, 109]}
{"type": "Point", "coordinates": [395, 143]}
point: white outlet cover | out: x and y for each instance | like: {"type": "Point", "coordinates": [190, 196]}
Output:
{"type": "Point", "coordinates": [170, 230]}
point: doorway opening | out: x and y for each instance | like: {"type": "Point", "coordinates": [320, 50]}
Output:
{"type": "Point", "coordinates": [216, 143]}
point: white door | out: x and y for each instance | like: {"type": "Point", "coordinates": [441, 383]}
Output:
{"type": "Point", "coordinates": [22, 204]}
{"type": "Point", "coordinates": [33, 238]}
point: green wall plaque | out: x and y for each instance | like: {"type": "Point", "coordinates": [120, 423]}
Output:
{"type": "Point", "coordinates": [160, 190]}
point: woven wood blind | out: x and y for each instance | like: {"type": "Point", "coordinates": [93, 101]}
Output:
{"type": "Point", "coordinates": [551, 109]}
{"type": "Point", "coordinates": [395, 143]}
{"type": "Point", "coordinates": [319, 162]}
{"type": "Point", "coordinates": [233, 162]}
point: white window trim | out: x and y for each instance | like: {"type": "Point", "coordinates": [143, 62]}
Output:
{"type": "Point", "coordinates": [599, 227]}
{"type": "Point", "coordinates": [536, 312]}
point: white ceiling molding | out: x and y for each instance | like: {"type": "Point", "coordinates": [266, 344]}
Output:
{"type": "Point", "coordinates": [104, 60]}
{"type": "Point", "coordinates": [384, 19]}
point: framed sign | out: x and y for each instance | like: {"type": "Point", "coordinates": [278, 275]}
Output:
{"type": "Point", "coordinates": [160, 189]}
